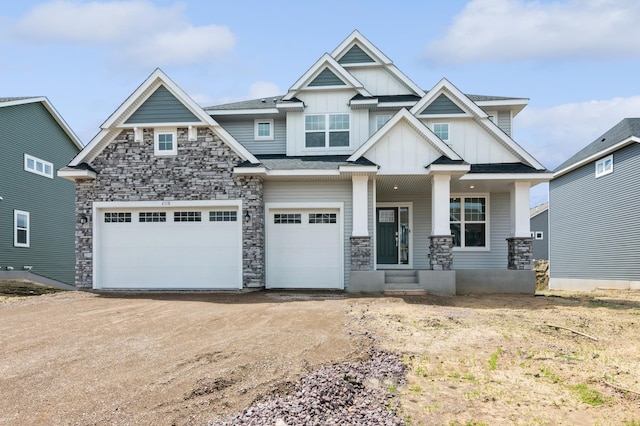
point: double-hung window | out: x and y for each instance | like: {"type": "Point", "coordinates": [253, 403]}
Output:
{"type": "Point", "coordinates": [468, 221]}
{"type": "Point", "coordinates": [38, 166]}
{"type": "Point", "coordinates": [326, 130]}
{"type": "Point", "coordinates": [21, 228]}
{"type": "Point", "coordinates": [442, 131]}
{"type": "Point", "coordinates": [165, 142]}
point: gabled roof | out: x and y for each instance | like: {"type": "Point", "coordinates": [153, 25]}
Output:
{"type": "Point", "coordinates": [379, 58]}
{"type": "Point", "coordinates": [625, 132]}
{"type": "Point", "coordinates": [326, 62]}
{"type": "Point", "coordinates": [535, 211]}
{"type": "Point", "coordinates": [6, 102]}
{"type": "Point", "coordinates": [471, 108]}
{"type": "Point", "coordinates": [117, 121]}
{"type": "Point", "coordinates": [405, 115]}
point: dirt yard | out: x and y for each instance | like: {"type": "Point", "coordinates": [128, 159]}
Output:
{"type": "Point", "coordinates": [82, 358]}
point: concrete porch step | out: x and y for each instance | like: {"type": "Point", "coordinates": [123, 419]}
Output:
{"type": "Point", "coordinates": [401, 276]}
{"type": "Point", "coordinates": [403, 289]}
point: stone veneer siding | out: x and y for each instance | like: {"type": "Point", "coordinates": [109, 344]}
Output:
{"type": "Point", "coordinates": [441, 252]}
{"type": "Point", "coordinates": [202, 170]}
{"type": "Point", "coordinates": [361, 254]}
{"type": "Point", "coordinates": [520, 253]}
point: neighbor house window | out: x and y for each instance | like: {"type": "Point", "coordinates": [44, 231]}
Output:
{"type": "Point", "coordinates": [539, 235]}
{"type": "Point", "coordinates": [326, 130]}
{"type": "Point", "coordinates": [38, 166]}
{"type": "Point", "coordinates": [165, 142]}
{"type": "Point", "coordinates": [604, 166]}
{"type": "Point", "coordinates": [263, 130]}
{"type": "Point", "coordinates": [468, 216]}
{"type": "Point", "coordinates": [442, 131]}
{"type": "Point", "coordinates": [21, 228]}
{"type": "Point", "coordinates": [382, 119]}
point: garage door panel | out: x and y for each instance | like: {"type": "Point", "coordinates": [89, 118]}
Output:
{"type": "Point", "coordinates": [170, 255]}
{"type": "Point", "coordinates": [305, 254]}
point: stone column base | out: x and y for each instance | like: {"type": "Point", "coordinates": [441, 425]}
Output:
{"type": "Point", "coordinates": [441, 252]}
{"type": "Point", "coordinates": [520, 253]}
{"type": "Point", "coordinates": [361, 254]}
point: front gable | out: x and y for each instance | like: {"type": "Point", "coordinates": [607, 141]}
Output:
{"type": "Point", "coordinates": [355, 55]}
{"type": "Point", "coordinates": [442, 105]}
{"type": "Point", "coordinates": [158, 103]}
{"type": "Point", "coordinates": [404, 146]}
{"type": "Point", "coordinates": [162, 107]}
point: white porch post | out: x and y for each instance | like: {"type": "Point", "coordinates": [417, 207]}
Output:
{"type": "Point", "coordinates": [360, 206]}
{"type": "Point", "coordinates": [520, 210]}
{"type": "Point", "coordinates": [440, 193]}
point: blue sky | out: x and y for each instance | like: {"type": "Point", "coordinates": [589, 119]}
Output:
{"type": "Point", "coordinates": [576, 60]}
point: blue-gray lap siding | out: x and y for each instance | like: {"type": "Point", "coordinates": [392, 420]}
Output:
{"type": "Point", "coordinates": [30, 129]}
{"type": "Point", "coordinates": [594, 227]}
{"type": "Point", "coordinates": [162, 107]}
{"type": "Point", "coordinates": [355, 55]}
{"type": "Point", "coordinates": [243, 130]}
{"type": "Point", "coordinates": [540, 223]}
{"type": "Point", "coordinates": [327, 78]}
{"type": "Point", "coordinates": [442, 105]}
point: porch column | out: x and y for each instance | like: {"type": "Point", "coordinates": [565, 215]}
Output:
{"type": "Point", "coordinates": [441, 240]}
{"type": "Point", "coordinates": [520, 243]}
{"type": "Point", "coordinates": [360, 239]}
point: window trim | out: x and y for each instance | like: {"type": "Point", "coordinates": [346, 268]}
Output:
{"type": "Point", "coordinates": [603, 162]}
{"type": "Point", "coordinates": [156, 142]}
{"type": "Point", "coordinates": [16, 213]}
{"type": "Point", "coordinates": [256, 125]}
{"type": "Point", "coordinates": [433, 129]}
{"type": "Point", "coordinates": [37, 160]}
{"type": "Point", "coordinates": [539, 235]}
{"type": "Point", "coordinates": [487, 230]}
{"type": "Point", "coordinates": [327, 131]}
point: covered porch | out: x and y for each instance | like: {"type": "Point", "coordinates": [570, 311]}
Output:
{"type": "Point", "coordinates": [455, 229]}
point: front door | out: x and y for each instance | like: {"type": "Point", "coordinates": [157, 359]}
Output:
{"type": "Point", "coordinates": [387, 235]}
{"type": "Point", "coordinates": [393, 238]}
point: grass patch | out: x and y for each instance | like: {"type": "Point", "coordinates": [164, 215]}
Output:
{"type": "Point", "coordinates": [588, 395]}
{"type": "Point", "coordinates": [493, 360]}
{"type": "Point", "coordinates": [11, 288]}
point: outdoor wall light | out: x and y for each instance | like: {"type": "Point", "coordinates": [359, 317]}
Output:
{"type": "Point", "coordinates": [83, 219]}
{"type": "Point", "coordinates": [247, 217]}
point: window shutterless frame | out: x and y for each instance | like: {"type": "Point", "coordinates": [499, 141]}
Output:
{"type": "Point", "coordinates": [40, 167]}
{"type": "Point", "coordinates": [21, 228]}
{"type": "Point", "coordinates": [165, 142]}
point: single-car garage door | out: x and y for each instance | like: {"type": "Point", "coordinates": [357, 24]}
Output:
{"type": "Point", "coordinates": [168, 248]}
{"type": "Point", "coordinates": [304, 249]}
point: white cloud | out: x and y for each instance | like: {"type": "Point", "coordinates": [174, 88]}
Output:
{"type": "Point", "coordinates": [263, 89]}
{"type": "Point", "coordinates": [136, 31]}
{"type": "Point", "coordinates": [507, 30]}
{"type": "Point", "coordinates": [552, 135]}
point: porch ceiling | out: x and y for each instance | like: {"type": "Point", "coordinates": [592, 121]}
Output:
{"type": "Point", "coordinates": [410, 184]}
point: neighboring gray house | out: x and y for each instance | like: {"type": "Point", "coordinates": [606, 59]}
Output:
{"type": "Point", "coordinates": [355, 179]}
{"type": "Point", "coordinates": [37, 214]}
{"type": "Point", "coordinates": [594, 226]}
{"type": "Point", "coordinates": [539, 224]}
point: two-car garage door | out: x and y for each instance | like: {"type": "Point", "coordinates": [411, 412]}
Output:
{"type": "Point", "coordinates": [155, 247]}
{"type": "Point", "coordinates": [304, 248]}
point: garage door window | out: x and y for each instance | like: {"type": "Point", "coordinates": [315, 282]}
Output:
{"type": "Point", "coordinates": [287, 218]}
{"type": "Point", "coordinates": [223, 216]}
{"type": "Point", "coordinates": [322, 218]}
{"type": "Point", "coordinates": [117, 217]}
{"type": "Point", "coordinates": [187, 217]}
{"type": "Point", "coordinates": [152, 217]}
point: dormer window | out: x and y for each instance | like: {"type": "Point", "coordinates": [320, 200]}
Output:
{"type": "Point", "coordinates": [165, 142]}
{"type": "Point", "coordinates": [327, 130]}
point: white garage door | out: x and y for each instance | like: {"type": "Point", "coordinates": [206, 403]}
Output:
{"type": "Point", "coordinates": [304, 249]}
{"type": "Point", "coordinates": [168, 248]}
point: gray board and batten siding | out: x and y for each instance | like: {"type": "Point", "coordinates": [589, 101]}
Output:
{"type": "Point", "coordinates": [593, 222]}
{"type": "Point", "coordinates": [162, 107]}
{"type": "Point", "coordinates": [30, 129]}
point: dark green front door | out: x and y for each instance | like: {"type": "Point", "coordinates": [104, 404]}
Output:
{"type": "Point", "coordinates": [387, 235]}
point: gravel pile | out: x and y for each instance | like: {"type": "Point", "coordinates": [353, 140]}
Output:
{"type": "Point", "coordinates": [346, 394]}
